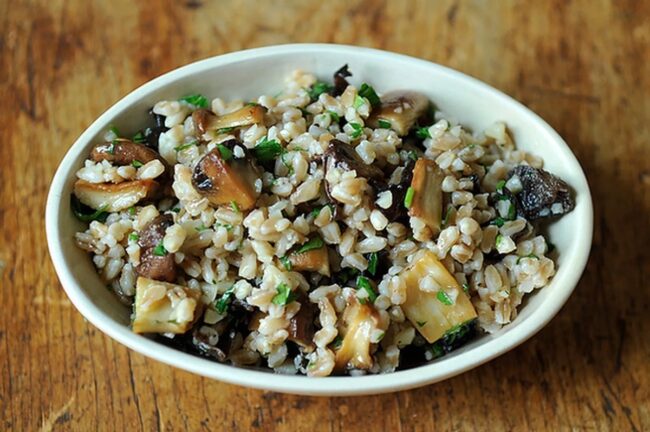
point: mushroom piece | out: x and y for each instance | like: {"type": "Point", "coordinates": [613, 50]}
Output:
{"type": "Point", "coordinates": [311, 256]}
{"type": "Point", "coordinates": [434, 312]}
{"type": "Point", "coordinates": [340, 81]}
{"type": "Point", "coordinates": [426, 193]}
{"type": "Point", "coordinates": [397, 211]}
{"type": "Point", "coordinates": [542, 194]}
{"type": "Point", "coordinates": [205, 120]}
{"type": "Point", "coordinates": [155, 261]}
{"type": "Point", "coordinates": [401, 108]}
{"type": "Point", "coordinates": [162, 307]}
{"type": "Point", "coordinates": [223, 179]}
{"type": "Point", "coordinates": [301, 326]}
{"type": "Point", "coordinates": [112, 197]}
{"type": "Point", "coordinates": [122, 151]}
{"type": "Point", "coordinates": [359, 320]}
{"type": "Point", "coordinates": [343, 156]}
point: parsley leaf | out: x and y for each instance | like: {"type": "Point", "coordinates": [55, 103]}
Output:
{"type": "Point", "coordinates": [498, 221]}
{"type": "Point", "coordinates": [225, 153]}
{"type": "Point", "coordinates": [357, 130]}
{"type": "Point", "coordinates": [421, 323]}
{"type": "Point", "coordinates": [286, 262]}
{"type": "Point", "coordinates": [160, 250]}
{"type": "Point", "coordinates": [139, 138]}
{"type": "Point", "coordinates": [234, 206]}
{"type": "Point", "coordinates": [383, 124]}
{"type": "Point", "coordinates": [225, 130]}
{"type": "Point", "coordinates": [364, 284]}
{"type": "Point", "coordinates": [317, 89]}
{"type": "Point", "coordinates": [267, 150]}
{"type": "Point", "coordinates": [372, 263]}
{"type": "Point", "coordinates": [501, 184]}
{"type": "Point", "coordinates": [530, 255]}
{"type": "Point", "coordinates": [221, 305]}
{"type": "Point", "coordinates": [422, 132]}
{"type": "Point", "coordinates": [358, 101]}
{"type": "Point", "coordinates": [180, 148]}
{"type": "Point", "coordinates": [134, 237]}
{"type": "Point", "coordinates": [369, 93]}
{"type": "Point", "coordinates": [136, 163]}
{"type": "Point", "coordinates": [85, 213]}
{"type": "Point", "coordinates": [196, 99]}
{"type": "Point", "coordinates": [114, 130]}
{"type": "Point", "coordinates": [408, 198]}
{"type": "Point", "coordinates": [284, 295]}
{"type": "Point", "coordinates": [315, 243]}
{"type": "Point", "coordinates": [444, 298]}
{"type": "Point", "coordinates": [335, 117]}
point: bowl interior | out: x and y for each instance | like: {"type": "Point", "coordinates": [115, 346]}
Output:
{"type": "Point", "coordinates": [248, 74]}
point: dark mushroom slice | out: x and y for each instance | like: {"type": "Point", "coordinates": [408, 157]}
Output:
{"type": "Point", "coordinates": [397, 210]}
{"type": "Point", "coordinates": [426, 193]}
{"type": "Point", "coordinates": [225, 180]}
{"type": "Point", "coordinates": [111, 197]}
{"type": "Point", "coordinates": [205, 120]}
{"type": "Point", "coordinates": [340, 82]}
{"type": "Point", "coordinates": [542, 194]}
{"type": "Point", "coordinates": [359, 320]}
{"type": "Point", "coordinates": [301, 326]}
{"type": "Point", "coordinates": [400, 108]}
{"type": "Point", "coordinates": [123, 152]}
{"type": "Point", "coordinates": [155, 262]}
{"type": "Point", "coordinates": [343, 156]}
{"type": "Point", "coordinates": [312, 256]}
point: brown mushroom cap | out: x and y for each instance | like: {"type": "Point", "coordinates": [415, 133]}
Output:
{"type": "Point", "coordinates": [301, 326]}
{"type": "Point", "coordinates": [113, 197]}
{"type": "Point", "coordinates": [205, 120]}
{"type": "Point", "coordinates": [122, 152]}
{"type": "Point", "coordinates": [401, 108]}
{"type": "Point", "coordinates": [154, 266]}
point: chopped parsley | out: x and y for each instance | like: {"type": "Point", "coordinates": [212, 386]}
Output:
{"type": "Point", "coordinates": [369, 93]}
{"type": "Point", "coordinates": [383, 124]}
{"type": "Point", "coordinates": [114, 130]}
{"type": "Point", "coordinates": [466, 288]}
{"type": "Point", "coordinates": [196, 99]}
{"type": "Point", "coordinates": [286, 262]}
{"type": "Point", "coordinates": [136, 163]}
{"type": "Point", "coordinates": [131, 211]}
{"type": "Point", "coordinates": [227, 226]}
{"type": "Point", "coordinates": [225, 152]}
{"type": "Point", "coordinates": [111, 148]}
{"type": "Point", "coordinates": [180, 148]}
{"type": "Point", "coordinates": [85, 213]}
{"type": "Point", "coordinates": [267, 150]}
{"type": "Point", "coordinates": [421, 323]}
{"type": "Point", "coordinates": [501, 184]}
{"type": "Point", "coordinates": [134, 237]}
{"type": "Point", "coordinates": [372, 263]}
{"type": "Point", "coordinates": [358, 101]}
{"type": "Point", "coordinates": [284, 295]}
{"type": "Point", "coordinates": [176, 209]}
{"type": "Point", "coordinates": [498, 240]}
{"type": "Point", "coordinates": [364, 284]}
{"type": "Point", "coordinates": [530, 255]}
{"type": "Point", "coordinates": [408, 198]}
{"type": "Point", "coordinates": [315, 243]}
{"type": "Point", "coordinates": [139, 138]}
{"type": "Point", "coordinates": [437, 350]}
{"type": "Point", "coordinates": [335, 117]}
{"type": "Point", "coordinates": [160, 250]}
{"type": "Point", "coordinates": [315, 212]}
{"type": "Point", "coordinates": [225, 130]}
{"type": "Point", "coordinates": [201, 227]}
{"type": "Point", "coordinates": [221, 305]}
{"type": "Point", "coordinates": [234, 206]}
{"type": "Point", "coordinates": [357, 130]}
{"type": "Point", "coordinates": [412, 155]}
{"type": "Point", "coordinates": [498, 221]}
{"type": "Point", "coordinates": [445, 220]}
{"type": "Point", "coordinates": [318, 89]}
{"type": "Point", "coordinates": [512, 212]}
{"type": "Point", "coordinates": [422, 132]}
{"type": "Point", "coordinates": [337, 342]}
{"type": "Point", "coordinates": [444, 298]}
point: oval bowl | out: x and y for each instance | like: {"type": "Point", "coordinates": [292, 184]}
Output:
{"type": "Point", "coordinates": [250, 73]}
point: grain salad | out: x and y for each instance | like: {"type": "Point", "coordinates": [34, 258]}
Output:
{"type": "Point", "coordinates": [327, 229]}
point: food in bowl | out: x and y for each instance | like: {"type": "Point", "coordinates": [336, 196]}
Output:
{"type": "Point", "coordinates": [321, 230]}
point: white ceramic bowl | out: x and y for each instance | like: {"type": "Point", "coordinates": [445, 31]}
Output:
{"type": "Point", "coordinates": [247, 74]}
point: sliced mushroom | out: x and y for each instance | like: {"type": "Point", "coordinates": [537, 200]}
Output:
{"type": "Point", "coordinates": [122, 151]}
{"type": "Point", "coordinates": [427, 193]}
{"type": "Point", "coordinates": [226, 181]}
{"type": "Point", "coordinates": [314, 260]}
{"type": "Point", "coordinates": [205, 120]}
{"type": "Point", "coordinates": [340, 81]}
{"type": "Point", "coordinates": [400, 108]}
{"type": "Point", "coordinates": [542, 194]}
{"type": "Point", "coordinates": [155, 261]}
{"type": "Point", "coordinates": [301, 326]}
{"type": "Point", "coordinates": [112, 197]}
{"type": "Point", "coordinates": [397, 211]}
{"type": "Point", "coordinates": [359, 320]}
{"type": "Point", "coordinates": [344, 157]}
{"type": "Point", "coordinates": [162, 307]}
{"type": "Point", "coordinates": [433, 313]}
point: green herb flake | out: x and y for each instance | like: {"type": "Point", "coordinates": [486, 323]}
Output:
{"type": "Point", "coordinates": [501, 184]}
{"type": "Point", "coordinates": [530, 255]}
{"type": "Point", "coordinates": [286, 262]}
{"type": "Point", "coordinates": [134, 237]}
{"type": "Point", "coordinates": [422, 132]}
{"type": "Point", "coordinates": [139, 138]}
{"type": "Point", "coordinates": [335, 117]}
{"type": "Point", "coordinates": [373, 260]}
{"type": "Point", "coordinates": [201, 227]}
{"type": "Point", "coordinates": [357, 130]}
{"type": "Point", "coordinates": [315, 243]}
{"type": "Point", "coordinates": [87, 214]}
{"type": "Point", "coordinates": [180, 148]}
{"type": "Point", "coordinates": [383, 124]}
{"type": "Point", "coordinates": [234, 206]}
{"type": "Point", "coordinates": [466, 288]}
{"type": "Point", "coordinates": [136, 163]}
{"type": "Point", "coordinates": [369, 93]}
{"type": "Point", "coordinates": [284, 295]}
{"type": "Point", "coordinates": [337, 342]}
{"type": "Point", "coordinates": [176, 209]}
{"type": "Point", "coordinates": [437, 350]}
{"type": "Point", "coordinates": [111, 148]}
{"type": "Point", "coordinates": [160, 250]}
{"type": "Point", "coordinates": [408, 198]}
{"type": "Point", "coordinates": [197, 100]}
{"type": "Point", "coordinates": [358, 101]}
{"type": "Point", "coordinates": [364, 284]}
{"type": "Point", "coordinates": [445, 220]}
{"type": "Point", "coordinates": [444, 298]}
{"type": "Point", "coordinates": [421, 323]}
{"type": "Point", "coordinates": [498, 221]}
{"type": "Point", "coordinates": [114, 130]}
{"type": "Point", "coordinates": [267, 150]}
{"type": "Point", "coordinates": [131, 211]}
{"type": "Point", "coordinates": [251, 103]}
{"type": "Point", "coordinates": [225, 153]}
{"type": "Point", "coordinates": [221, 305]}
{"type": "Point", "coordinates": [512, 212]}
{"type": "Point", "coordinates": [225, 130]}
{"type": "Point", "coordinates": [381, 336]}
{"type": "Point", "coordinates": [317, 89]}
{"type": "Point", "coordinates": [412, 155]}
{"type": "Point", "coordinates": [227, 226]}
{"type": "Point", "coordinates": [498, 240]}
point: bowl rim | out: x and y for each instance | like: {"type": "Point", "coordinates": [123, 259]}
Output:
{"type": "Point", "coordinates": [296, 384]}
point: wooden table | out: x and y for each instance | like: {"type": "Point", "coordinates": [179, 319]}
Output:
{"type": "Point", "coordinates": [584, 66]}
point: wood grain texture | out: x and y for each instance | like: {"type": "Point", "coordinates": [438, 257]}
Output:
{"type": "Point", "coordinates": [582, 65]}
